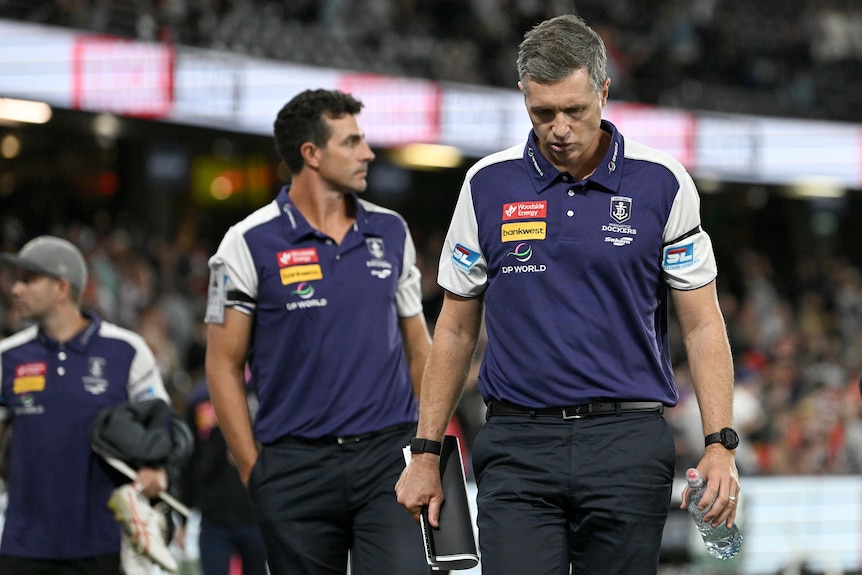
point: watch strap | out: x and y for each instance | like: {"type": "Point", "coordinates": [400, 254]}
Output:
{"type": "Point", "coordinates": [422, 445]}
{"type": "Point", "coordinates": [712, 438]}
{"type": "Point", "coordinates": [726, 437]}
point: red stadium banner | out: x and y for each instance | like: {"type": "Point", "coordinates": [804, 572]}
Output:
{"type": "Point", "coordinates": [672, 131]}
{"type": "Point", "coordinates": [397, 110]}
{"type": "Point", "coordinates": [122, 76]}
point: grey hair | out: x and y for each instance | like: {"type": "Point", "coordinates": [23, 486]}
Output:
{"type": "Point", "coordinates": [558, 47]}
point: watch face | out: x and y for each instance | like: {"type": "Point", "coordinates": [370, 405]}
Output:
{"type": "Point", "coordinates": [729, 438]}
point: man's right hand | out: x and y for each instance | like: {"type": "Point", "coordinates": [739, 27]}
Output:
{"type": "Point", "coordinates": [245, 465]}
{"type": "Point", "coordinates": [419, 486]}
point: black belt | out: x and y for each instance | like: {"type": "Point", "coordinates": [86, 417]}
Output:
{"type": "Point", "coordinates": [340, 439]}
{"type": "Point", "coordinates": [497, 408]}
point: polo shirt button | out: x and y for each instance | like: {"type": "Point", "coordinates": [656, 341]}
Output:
{"type": "Point", "coordinates": [566, 178]}
{"type": "Point", "coordinates": [570, 213]}
{"type": "Point", "coordinates": [338, 257]}
{"type": "Point", "coordinates": [61, 356]}
{"type": "Point", "coordinates": [61, 371]}
{"type": "Point", "coordinates": [571, 192]}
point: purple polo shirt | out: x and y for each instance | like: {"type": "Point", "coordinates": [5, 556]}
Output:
{"type": "Point", "coordinates": [575, 274]}
{"type": "Point", "coordinates": [51, 392]}
{"type": "Point", "coordinates": [327, 354]}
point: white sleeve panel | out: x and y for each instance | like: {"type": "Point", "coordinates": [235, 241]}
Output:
{"type": "Point", "coordinates": [688, 259]}
{"type": "Point", "coordinates": [232, 268]}
{"type": "Point", "coordinates": [234, 258]}
{"type": "Point", "coordinates": [10, 342]}
{"type": "Point", "coordinates": [145, 380]}
{"type": "Point", "coordinates": [409, 296]}
{"type": "Point", "coordinates": [462, 269]}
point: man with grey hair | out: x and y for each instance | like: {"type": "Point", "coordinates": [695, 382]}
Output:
{"type": "Point", "coordinates": [56, 376]}
{"type": "Point", "coordinates": [571, 246]}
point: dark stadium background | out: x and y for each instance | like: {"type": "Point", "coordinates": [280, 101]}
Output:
{"type": "Point", "coordinates": [791, 266]}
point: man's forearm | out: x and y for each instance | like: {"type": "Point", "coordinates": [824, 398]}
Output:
{"type": "Point", "coordinates": [227, 393]}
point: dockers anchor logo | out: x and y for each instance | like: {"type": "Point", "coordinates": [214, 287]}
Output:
{"type": "Point", "coordinates": [621, 209]}
{"type": "Point", "coordinates": [375, 247]}
{"type": "Point", "coordinates": [379, 267]}
{"type": "Point", "coordinates": [95, 382]}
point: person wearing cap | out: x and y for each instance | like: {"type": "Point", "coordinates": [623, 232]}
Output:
{"type": "Point", "coordinates": [56, 375]}
{"type": "Point", "coordinates": [319, 291]}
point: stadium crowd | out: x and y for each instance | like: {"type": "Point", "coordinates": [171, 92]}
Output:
{"type": "Point", "coordinates": [797, 58]}
{"type": "Point", "coordinates": [797, 341]}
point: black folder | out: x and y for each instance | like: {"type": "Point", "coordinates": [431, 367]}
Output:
{"type": "Point", "coordinates": [452, 546]}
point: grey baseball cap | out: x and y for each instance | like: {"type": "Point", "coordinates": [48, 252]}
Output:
{"type": "Point", "coordinates": [51, 256]}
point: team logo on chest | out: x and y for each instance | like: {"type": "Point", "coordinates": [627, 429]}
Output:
{"type": "Point", "coordinates": [95, 381]}
{"type": "Point", "coordinates": [375, 247]}
{"type": "Point", "coordinates": [621, 209]}
{"type": "Point", "coordinates": [379, 267]}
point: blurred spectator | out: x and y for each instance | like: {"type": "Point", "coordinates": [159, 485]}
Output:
{"type": "Point", "coordinates": [211, 485]}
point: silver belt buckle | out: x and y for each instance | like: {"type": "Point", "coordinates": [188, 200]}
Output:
{"type": "Point", "coordinates": [576, 415]}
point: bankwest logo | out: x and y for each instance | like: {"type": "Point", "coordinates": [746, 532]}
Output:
{"type": "Point", "coordinates": [523, 231]}
{"type": "Point", "coordinates": [296, 274]}
{"type": "Point", "coordinates": [525, 210]}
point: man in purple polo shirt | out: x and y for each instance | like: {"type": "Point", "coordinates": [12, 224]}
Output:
{"type": "Point", "coordinates": [568, 245]}
{"type": "Point", "coordinates": [319, 292]}
{"type": "Point", "coordinates": [56, 376]}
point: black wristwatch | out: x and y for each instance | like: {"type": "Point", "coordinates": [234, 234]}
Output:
{"type": "Point", "coordinates": [422, 445]}
{"type": "Point", "coordinates": [727, 437]}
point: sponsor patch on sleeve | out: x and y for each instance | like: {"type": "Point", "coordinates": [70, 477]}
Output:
{"type": "Point", "coordinates": [464, 258]}
{"type": "Point", "coordinates": [148, 392]}
{"type": "Point", "coordinates": [216, 295]}
{"type": "Point", "coordinates": [678, 257]}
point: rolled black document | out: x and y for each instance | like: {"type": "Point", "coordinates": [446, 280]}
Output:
{"type": "Point", "coordinates": [452, 545]}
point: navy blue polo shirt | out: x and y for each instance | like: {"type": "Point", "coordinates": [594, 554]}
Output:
{"type": "Point", "coordinates": [327, 354]}
{"type": "Point", "coordinates": [51, 393]}
{"type": "Point", "coordinates": [575, 273]}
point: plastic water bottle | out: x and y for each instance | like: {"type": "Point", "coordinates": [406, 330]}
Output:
{"type": "Point", "coordinates": [722, 542]}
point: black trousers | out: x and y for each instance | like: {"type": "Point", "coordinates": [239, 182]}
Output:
{"type": "Point", "coordinates": [316, 502]}
{"type": "Point", "coordinates": [102, 565]}
{"type": "Point", "coordinates": [591, 495]}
